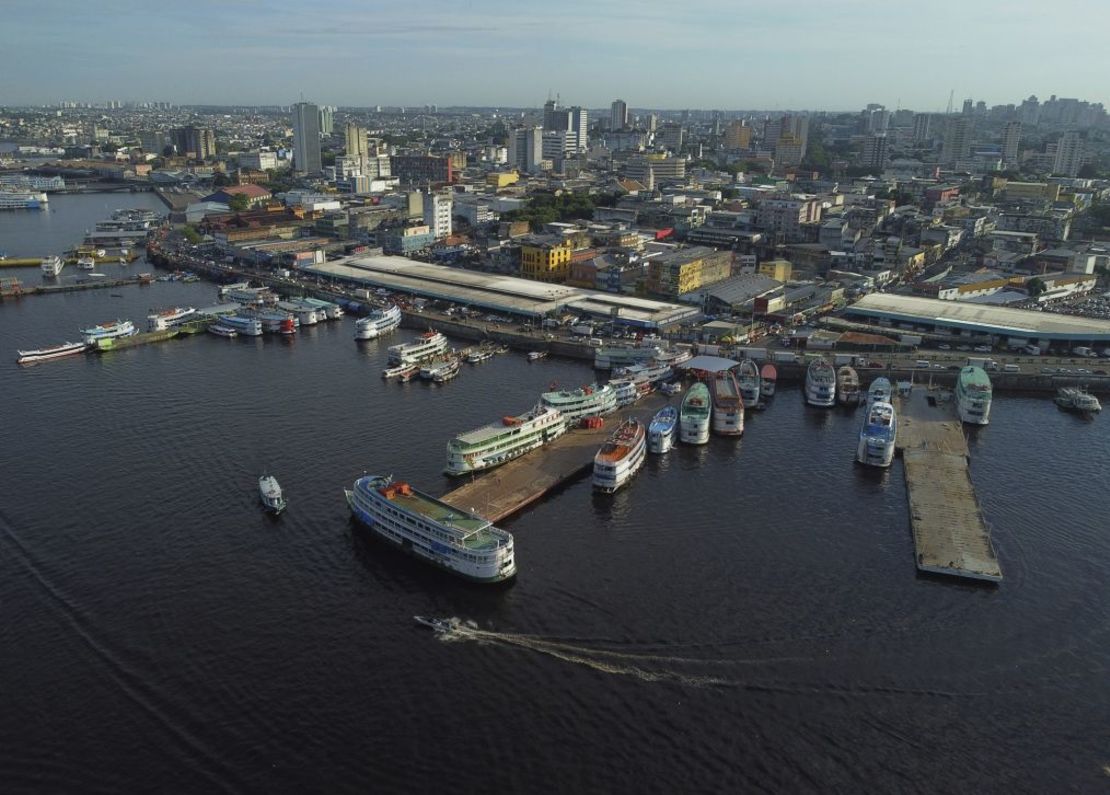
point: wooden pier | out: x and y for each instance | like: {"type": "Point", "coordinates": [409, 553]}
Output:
{"type": "Point", "coordinates": [511, 487]}
{"type": "Point", "coordinates": [949, 533]}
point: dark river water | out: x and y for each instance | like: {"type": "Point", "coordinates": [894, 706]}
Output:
{"type": "Point", "coordinates": [745, 616]}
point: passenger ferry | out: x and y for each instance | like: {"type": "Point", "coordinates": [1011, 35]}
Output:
{"type": "Point", "coordinates": [53, 352]}
{"type": "Point", "coordinates": [877, 436]}
{"type": "Point", "coordinates": [768, 376]}
{"type": "Point", "coordinates": [621, 457]}
{"type": "Point", "coordinates": [86, 263]}
{"type": "Point", "coordinates": [498, 442]}
{"type": "Point", "coordinates": [848, 391]}
{"type": "Point", "coordinates": [1072, 398]}
{"type": "Point", "coordinates": [747, 376]}
{"type": "Point", "coordinates": [586, 401]}
{"type": "Point", "coordinates": [662, 430]}
{"type": "Point", "coordinates": [332, 310]}
{"type": "Point", "coordinates": [430, 367]}
{"type": "Point", "coordinates": [242, 324]}
{"type": "Point", "coordinates": [457, 541]}
{"type": "Point", "coordinates": [307, 315]}
{"type": "Point", "coordinates": [52, 266]}
{"type": "Point", "coordinates": [728, 404]}
{"type": "Point", "coordinates": [973, 396]}
{"type": "Point", "coordinates": [652, 372]}
{"type": "Point", "coordinates": [610, 356]}
{"type": "Point", "coordinates": [448, 371]}
{"type": "Point", "coordinates": [378, 323]}
{"type": "Point", "coordinates": [627, 391]}
{"type": "Point", "coordinates": [427, 346]}
{"type": "Point", "coordinates": [880, 391]}
{"type": "Point", "coordinates": [693, 417]}
{"type": "Point", "coordinates": [111, 330]}
{"type": "Point", "coordinates": [820, 384]}
{"type": "Point", "coordinates": [160, 321]}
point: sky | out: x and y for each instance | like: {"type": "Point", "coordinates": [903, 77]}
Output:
{"type": "Point", "coordinates": [711, 54]}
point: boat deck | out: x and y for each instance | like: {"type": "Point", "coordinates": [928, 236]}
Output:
{"type": "Point", "coordinates": [511, 487]}
{"type": "Point", "coordinates": [949, 532]}
{"type": "Point", "coordinates": [472, 532]}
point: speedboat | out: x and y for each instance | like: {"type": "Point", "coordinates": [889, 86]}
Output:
{"type": "Point", "coordinates": [535, 356]}
{"type": "Point", "coordinates": [270, 492]}
{"type": "Point", "coordinates": [440, 625]}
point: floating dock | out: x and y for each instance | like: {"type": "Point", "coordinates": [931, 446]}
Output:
{"type": "Point", "coordinates": [950, 535]}
{"type": "Point", "coordinates": [509, 488]}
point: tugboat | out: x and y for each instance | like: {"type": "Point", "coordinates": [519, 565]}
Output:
{"type": "Point", "coordinates": [270, 492]}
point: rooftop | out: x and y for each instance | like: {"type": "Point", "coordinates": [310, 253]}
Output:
{"type": "Point", "coordinates": [982, 318]}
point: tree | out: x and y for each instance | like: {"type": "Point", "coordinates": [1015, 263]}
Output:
{"type": "Point", "coordinates": [239, 203]}
{"type": "Point", "coordinates": [1035, 286]}
{"type": "Point", "coordinates": [220, 180]}
{"type": "Point", "coordinates": [1088, 171]}
{"type": "Point", "coordinates": [191, 234]}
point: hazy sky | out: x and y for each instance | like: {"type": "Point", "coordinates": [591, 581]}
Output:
{"type": "Point", "coordinates": [706, 54]}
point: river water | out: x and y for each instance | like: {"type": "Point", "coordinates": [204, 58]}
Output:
{"type": "Point", "coordinates": [744, 616]}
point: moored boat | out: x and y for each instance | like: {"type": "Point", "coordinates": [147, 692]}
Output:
{"type": "Point", "coordinates": [535, 356]}
{"type": "Point", "coordinates": [162, 320]}
{"type": "Point", "coordinates": [270, 493]}
{"type": "Point", "coordinates": [747, 376]}
{"type": "Point", "coordinates": [53, 352]}
{"type": "Point", "coordinates": [479, 355]}
{"type": "Point", "coordinates": [848, 391]}
{"type": "Point", "coordinates": [626, 390]}
{"type": "Point", "coordinates": [460, 542]}
{"type": "Point", "coordinates": [502, 441]}
{"type": "Point", "coordinates": [693, 416]}
{"type": "Point", "coordinates": [820, 384]}
{"type": "Point", "coordinates": [586, 401]}
{"type": "Point", "coordinates": [973, 396]}
{"type": "Point", "coordinates": [247, 326]}
{"type": "Point", "coordinates": [662, 430]}
{"type": "Point", "coordinates": [768, 377]}
{"type": "Point", "coordinates": [221, 330]}
{"type": "Point", "coordinates": [378, 323]}
{"type": "Point", "coordinates": [51, 266]}
{"type": "Point", "coordinates": [86, 263]}
{"type": "Point", "coordinates": [621, 457]}
{"type": "Point", "coordinates": [109, 330]}
{"type": "Point", "coordinates": [877, 435]}
{"type": "Point", "coordinates": [447, 371]}
{"type": "Point", "coordinates": [728, 404]}
{"type": "Point", "coordinates": [427, 346]}
{"type": "Point", "coordinates": [1071, 398]}
{"type": "Point", "coordinates": [880, 391]}
{"type": "Point", "coordinates": [610, 356]}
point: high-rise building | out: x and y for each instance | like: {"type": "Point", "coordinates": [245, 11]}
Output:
{"type": "Point", "coordinates": [579, 125]}
{"type": "Point", "coordinates": [1070, 153]}
{"type": "Point", "coordinates": [673, 136]}
{"type": "Point", "coordinates": [358, 144]}
{"type": "Point", "coordinates": [327, 119]}
{"type": "Point", "coordinates": [152, 141]}
{"type": "Point", "coordinates": [738, 135]}
{"type": "Point", "coordinates": [195, 142]}
{"type": "Point", "coordinates": [1011, 142]}
{"type": "Point", "coordinates": [957, 140]}
{"type": "Point", "coordinates": [549, 109]}
{"type": "Point", "coordinates": [526, 148]}
{"type": "Point", "coordinates": [969, 107]}
{"type": "Point", "coordinates": [306, 138]}
{"type": "Point", "coordinates": [437, 214]}
{"type": "Point", "coordinates": [618, 115]}
{"type": "Point", "coordinates": [921, 127]}
{"type": "Point", "coordinates": [874, 153]}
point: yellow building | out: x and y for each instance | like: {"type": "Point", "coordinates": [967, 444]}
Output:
{"type": "Point", "coordinates": [502, 179]}
{"type": "Point", "coordinates": [545, 258]}
{"type": "Point", "coordinates": [778, 269]}
{"type": "Point", "coordinates": [1031, 191]}
{"type": "Point", "coordinates": [682, 271]}
{"type": "Point", "coordinates": [738, 135]}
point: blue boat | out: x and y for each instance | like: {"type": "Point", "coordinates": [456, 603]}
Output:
{"type": "Point", "coordinates": [662, 430]}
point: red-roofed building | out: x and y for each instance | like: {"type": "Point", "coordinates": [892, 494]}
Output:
{"type": "Point", "coordinates": [255, 194]}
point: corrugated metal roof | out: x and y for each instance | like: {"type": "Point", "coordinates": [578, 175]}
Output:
{"type": "Point", "coordinates": [710, 364]}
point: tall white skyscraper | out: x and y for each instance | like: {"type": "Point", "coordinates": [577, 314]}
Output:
{"type": "Point", "coordinates": [957, 140]}
{"type": "Point", "coordinates": [618, 115]}
{"type": "Point", "coordinates": [306, 138]}
{"type": "Point", "coordinates": [1070, 152]}
{"type": "Point", "coordinates": [526, 148]}
{"type": "Point", "coordinates": [327, 119]}
{"type": "Point", "coordinates": [579, 124]}
{"type": "Point", "coordinates": [1011, 141]}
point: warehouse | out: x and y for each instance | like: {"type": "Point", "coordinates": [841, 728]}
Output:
{"type": "Point", "coordinates": [1001, 324]}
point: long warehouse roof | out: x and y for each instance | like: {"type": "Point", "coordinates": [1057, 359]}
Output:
{"type": "Point", "coordinates": [497, 292]}
{"type": "Point", "coordinates": [980, 317]}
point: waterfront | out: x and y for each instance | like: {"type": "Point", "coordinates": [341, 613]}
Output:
{"type": "Point", "coordinates": [743, 615]}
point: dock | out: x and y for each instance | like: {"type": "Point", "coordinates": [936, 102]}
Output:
{"type": "Point", "coordinates": [950, 535]}
{"type": "Point", "coordinates": [511, 487]}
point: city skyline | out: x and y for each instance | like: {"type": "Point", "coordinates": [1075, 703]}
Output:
{"type": "Point", "coordinates": [807, 57]}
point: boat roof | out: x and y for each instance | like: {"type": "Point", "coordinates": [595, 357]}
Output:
{"type": "Point", "coordinates": [472, 532]}
{"type": "Point", "coordinates": [710, 364]}
{"type": "Point", "coordinates": [495, 429]}
{"type": "Point", "coordinates": [975, 376]}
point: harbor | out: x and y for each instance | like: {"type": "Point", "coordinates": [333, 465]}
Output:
{"type": "Point", "coordinates": [950, 534]}
{"type": "Point", "coordinates": [511, 487]}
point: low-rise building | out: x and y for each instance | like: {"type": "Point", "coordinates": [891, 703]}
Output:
{"type": "Point", "coordinates": [545, 258]}
{"type": "Point", "coordinates": [684, 270]}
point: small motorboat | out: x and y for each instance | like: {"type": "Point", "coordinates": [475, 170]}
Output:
{"type": "Point", "coordinates": [439, 625]}
{"type": "Point", "coordinates": [222, 331]}
{"type": "Point", "coordinates": [535, 356]}
{"type": "Point", "coordinates": [270, 492]}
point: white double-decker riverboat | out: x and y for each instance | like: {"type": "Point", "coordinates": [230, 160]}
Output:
{"type": "Point", "coordinates": [455, 540]}
{"type": "Point", "coordinates": [378, 323]}
{"type": "Point", "coordinates": [586, 401]}
{"type": "Point", "coordinates": [502, 441]}
{"type": "Point", "coordinates": [820, 384]}
{"type": "Point", "coordinates": [621, 457]}
{"type": "Point", "coordinates": [427, 346]}
{"type": "Point", "coordinates": [103, 331]}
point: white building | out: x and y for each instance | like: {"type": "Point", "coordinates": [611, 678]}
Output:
{"type": "Point", "coordinates": [259, 161]}
{"type": "Point", "coordinates": [1070, 153]}
{"type": "Point", "coordinates": [437, 214]}
{"type": "Point", "coordinates": [526, 149]}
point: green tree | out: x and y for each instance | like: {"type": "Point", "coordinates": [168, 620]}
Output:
{"type": "Point", "coordinates": [239, 203]}
{"type": "Point", "coordinates": [191, 234]}
{"type": "Point", "coordinates": [1035, 286]}
{"type": "Point", "coordinates": [220, 180]}
{"type": "Point", "coordinates": [1088, 171]}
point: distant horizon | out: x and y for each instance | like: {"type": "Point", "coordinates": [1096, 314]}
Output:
{"type": "Point", "coordinates": [499, 54]}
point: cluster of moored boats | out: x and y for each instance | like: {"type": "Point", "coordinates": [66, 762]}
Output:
{"type": "Point", "coordinates": [429, 358]}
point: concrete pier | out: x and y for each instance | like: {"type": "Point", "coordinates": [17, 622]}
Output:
{"type": "Point", "coordinates": [503, 491]}
{"type": "Point", "coordinates": [949, 533]}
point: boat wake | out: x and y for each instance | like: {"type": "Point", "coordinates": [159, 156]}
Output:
{"type": "Point", "coordinates": [668, 668]}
